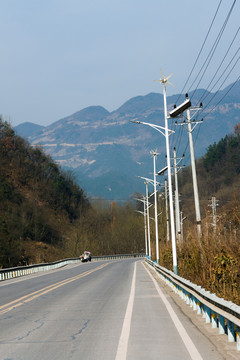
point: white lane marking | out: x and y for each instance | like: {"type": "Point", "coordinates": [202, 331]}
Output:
{"type": "Point", "coordinates": [123, 341]}
{"type": "Point", "coordinates": [181, 330]}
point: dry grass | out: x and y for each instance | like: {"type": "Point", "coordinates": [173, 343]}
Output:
{"type": "Point", "coordinates": [212, 261]}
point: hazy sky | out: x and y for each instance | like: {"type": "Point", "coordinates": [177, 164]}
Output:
{"type": "Point", "coordinates": [59, 56]}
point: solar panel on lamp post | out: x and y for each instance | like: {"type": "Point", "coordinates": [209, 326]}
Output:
{"type": "Point", "coordinates": [166, 132]}
{"type": "Point", "coordinates": [164, 81]}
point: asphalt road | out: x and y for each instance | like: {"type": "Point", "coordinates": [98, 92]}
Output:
{"type": "Point", "coordinates": [100, 310]}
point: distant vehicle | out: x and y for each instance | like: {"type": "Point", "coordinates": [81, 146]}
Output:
{"type": "Point", "coordinates": [86, 256]}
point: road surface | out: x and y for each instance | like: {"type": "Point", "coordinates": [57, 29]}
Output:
{"type": "Point", "coordinates": [99, 310]}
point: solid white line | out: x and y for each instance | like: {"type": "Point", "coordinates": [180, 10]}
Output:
{"type": "Point", "coordinates": [181, 330]}
{"type": "Point", "coordinates": [123, 341]}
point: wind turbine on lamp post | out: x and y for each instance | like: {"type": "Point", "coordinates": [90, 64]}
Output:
{"type": "Point", "coordinates": [164, 81]}
{"type": "Point", "coordinates": [166, 132]}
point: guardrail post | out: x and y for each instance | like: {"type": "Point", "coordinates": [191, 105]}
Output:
{"type": "Point", "coordinates": [230, 328]}
{"type": "Point", "coordinates": [195, 303]}
{"type": "Point", "coordinates": [221, 325]}
{"type": "Point", "coordinates": [214, 320]}
{"type": "Point", "coordinates": [238, 338]}
{"type": "Point", "coordinates": [207, 314]}
{"type": "Point", "coordinates": [180, 292]}
{"type": "Point", "coordinates": [199, 308]}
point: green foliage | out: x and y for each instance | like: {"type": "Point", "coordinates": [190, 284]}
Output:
{"type": "Point", "coordinates": [223, 156]}
{"type": "Point", "coordinates": [217, 174]}
{"type": "Point", "coordinates": [215, 153]}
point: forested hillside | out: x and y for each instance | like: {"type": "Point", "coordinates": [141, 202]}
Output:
{"type": "Point", "coordinates": [45, 216]}
{"type": "Point", "coordinates": [218, 174]}
{"type": "Point", "coordinates": [37, 202]}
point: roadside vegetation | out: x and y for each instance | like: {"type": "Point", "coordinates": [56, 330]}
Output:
{"type": "Point", "coordinates": [212, 261]}
{"type": "Point", "coordinates": [46, 216]}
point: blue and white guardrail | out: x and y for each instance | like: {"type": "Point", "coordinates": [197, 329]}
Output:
{"type": "Point", "coordinates": [31, 269]}
{"type": "Point", "coordinates": [221, 314]}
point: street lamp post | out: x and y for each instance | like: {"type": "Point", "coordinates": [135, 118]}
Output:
{"type": "Point", "coordinates": [143, 200]}
{"type": "Point", "coordinates": [154, 154]}
{"type": "Point", "coordinates": [174, 249]}
{"type": "Point", "coordinates": [154, 183]}
{"type": "Point", "coordinates": [166, 132]}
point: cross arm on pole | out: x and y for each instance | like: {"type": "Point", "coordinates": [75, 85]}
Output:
{"type": "Point", "coordinates": [140, 212]}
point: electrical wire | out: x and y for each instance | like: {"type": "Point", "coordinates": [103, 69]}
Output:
{"type": "Point", "coordinates": [212, 51]}
{"type": "Point", "coordinates": [211, 110]}
{"type": "Point", "coordinates": [223, 82]}
{"type": "Point", "coordinates": [203, 97]}
{"type": "Point", "coordinates": [204, 69]}
{"type": "Point", "coordinates": [179, 137]}
{"type": "Point", "coordinates": [209, 58]}
{"type": "Point", "coordinates": [195, 63]}
{"type": "Point", "coordinates": [223, 96]}
{"type": "Point", "coordinates": [224, 71]}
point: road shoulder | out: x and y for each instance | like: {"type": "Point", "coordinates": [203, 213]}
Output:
{"type": "Point", "coordinates": [226, 349]}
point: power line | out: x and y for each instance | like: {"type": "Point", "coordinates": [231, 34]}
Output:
{"type": "Point", "coordinates": [223, 82]}
{"type": "Point", "coordinates": [223, 95]}
{"type": "Point", "coordinates": [194, 65]}
{"type": "Point", "coordinates": [211, 110]}
{"type": "Point", "coordinates": [205, 67]}
{"type": "Point", "coordinates": [212, 51]}
{"type": "Point", "coordinates": [203, 97]}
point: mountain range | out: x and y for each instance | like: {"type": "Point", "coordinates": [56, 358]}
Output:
{"type": "Point", "coordinates": [105, 151]}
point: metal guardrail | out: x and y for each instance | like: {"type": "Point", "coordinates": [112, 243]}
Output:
{"type": "Point", "coordinates": [31, 269]}
{"type": "Point", "coordinates": [221, 314]}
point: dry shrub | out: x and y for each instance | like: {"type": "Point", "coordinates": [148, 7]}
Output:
{"type": "Point", "coordinates": [212, 261]}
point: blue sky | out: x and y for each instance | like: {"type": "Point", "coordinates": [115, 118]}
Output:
{"type": "Point", "coordinates": [59, 56]}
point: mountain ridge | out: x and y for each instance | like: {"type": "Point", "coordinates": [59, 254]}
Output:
{"type": "Point", "coordinates": [94, 142]}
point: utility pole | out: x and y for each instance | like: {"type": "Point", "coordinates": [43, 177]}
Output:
{"type": "Point", "coordinates": [194, 174]}
{"type": "Point", "coordinates": [182, 219]}
{"type": "Point", "coordinates": [177, 207]}
{"type": "Point", "coordinates": [148, 222]}
{"type": "Point", "coordinates": [175, 113]}
{"type": "Point", "coordinates": [213, 205]}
